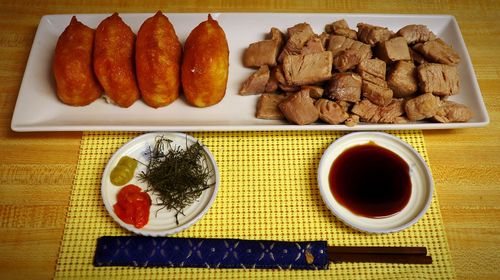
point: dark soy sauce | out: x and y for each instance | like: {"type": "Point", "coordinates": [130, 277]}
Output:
{"type": "Point", "coordinates": [370, 181]}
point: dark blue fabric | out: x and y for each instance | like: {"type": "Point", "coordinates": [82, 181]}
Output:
{"type": "Point", "coordinates": [145, 251]}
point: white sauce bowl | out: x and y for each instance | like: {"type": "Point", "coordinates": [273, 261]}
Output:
{"type": "Point", "coordinates": [420, 174]}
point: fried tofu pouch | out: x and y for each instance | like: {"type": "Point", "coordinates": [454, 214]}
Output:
{"type": "Point", "coordinates": [205, 64]}
{"type": "Point", "coordinates": [113, 60]}
{"type": "Point", "coordinates": [72, 66]}
{"type": "Point", "coordinates": [158, 57]}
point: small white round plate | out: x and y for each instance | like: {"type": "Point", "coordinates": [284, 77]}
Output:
{"type": "Point", "coordinates": [421, 180]}
{"type": "Point", "coordinates": [161, 221]}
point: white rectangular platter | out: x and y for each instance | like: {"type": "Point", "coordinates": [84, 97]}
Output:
{"type": "Point", "coordinates": [38, 108]}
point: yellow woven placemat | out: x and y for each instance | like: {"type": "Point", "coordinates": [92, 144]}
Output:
{"type": "Point", "coordinates": [268, 191]}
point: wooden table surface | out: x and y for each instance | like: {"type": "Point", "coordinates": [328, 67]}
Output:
{"type": "Point", "coordinates": [37, 169]}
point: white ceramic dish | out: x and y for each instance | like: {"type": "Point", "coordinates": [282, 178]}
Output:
{"type": "Point", "coordinates": [38, 109]}
{"type": "Point", "coordinates": [421, 179]}
{"type": "Point", "coordinates": [161, 222]}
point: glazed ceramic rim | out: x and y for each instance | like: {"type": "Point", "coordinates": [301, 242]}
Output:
{"type": "Point", "coordinates": [420, 173]}
{"type": "Point", "coordinates": [161, 222]}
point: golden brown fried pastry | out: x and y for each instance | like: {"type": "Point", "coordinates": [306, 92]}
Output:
{"type": "Point", "coordinates": [205, 64]}
{"type": "Point", "coordinates": [72, 67]}
{"type": "Point", "coordinates": [113, 60]}
{"type": "Point", "coordinates": [158, 61]}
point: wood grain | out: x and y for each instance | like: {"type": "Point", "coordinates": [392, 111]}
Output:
{"type": "Point", "coordinates": [37, 169]}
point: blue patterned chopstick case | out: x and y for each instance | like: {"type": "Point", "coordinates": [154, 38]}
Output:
{"type": "Point", "coordinates": [142, 251]}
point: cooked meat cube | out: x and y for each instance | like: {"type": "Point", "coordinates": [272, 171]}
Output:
{"type": "Point", "coordinates": [450, 111]}
{"type": "Point", "coordinates": [323, 37]}
{"type": "Point", "coordinates": [301, 29]}
{"type": "Point", "coordinates": [272, 83]}
{"type": "Point", "coordinates": [307, 69]}
{"type": "Point", "coordinates": [438, 51]}
{"type": "Point", "coordinates": [277, 73]}
{"type": "Point", "coordinates": [349, 33]}
{"type": "Point", "coordinates": [393, 49]}
{"type": "Point", "coordinates": [344, 87]}
{"type": "Point", "coordinates": [416, 33]}
{"type": "Point", "coordinates": [350, 58]}
{"type": "Point", "coordinates": [267, 106]}
{"type": "Point", "coordinates": [401, 120]}
{"type": "Point", "coordinates": [372, 113]}
{"type": "Point", "coordinates": [439, 79]}
{"type": "Point", "coordinates": [264, 52]}
{"type": "Point", "coordinates": [352, 120]}
{"type": "Point", "coordinates": [283, 54]}
{"type": "Point", "coordinates": [346, 60]}
{"type": "Point", "coordinates": [339, 44]}
{"type": "Point", "coordinates": [376, 94]}
{"type": "Point", "coordinates": [416, 57]}
{"type": "Point", "coordinates": [372, 79]}
{"type": "Point", "coordinates": [402, 79]}
{"type": "Point", "coordinates": [330, 112]}
{"type": "Point", "coordinates": [314, 91]}
{"type": "Point", "coordinates": [314, 45]}
{"type": "Point", "coordinates": [298, 35]}
{"type": "Point", "coordinates": [257, 82]}
{"type": "Point", "coordinates": [374, 66]}
{"type": "Point", "coordinates": [261, 53]}
{"type": "Point", "coordinates": [373, 71]}
{"type": "Point", "coordinates": [422, 107]}
{"type": "Point", "coordinates": [341, 27]}
{"type": "Point", "coordinates": [344, 104]}
{"type": "Point", "coordinates": [276, 35]}
{"type": "Point", "coordinates": [299, 109]}
{"type": "Point", "coordinates": [339, 24]}
{"type": "Point", "coordinates": [371, 34]}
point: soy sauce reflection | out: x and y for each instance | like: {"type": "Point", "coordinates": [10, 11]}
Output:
{"type": "Point", "coordinates": [370, 181]}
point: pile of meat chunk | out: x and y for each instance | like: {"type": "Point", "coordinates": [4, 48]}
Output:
{"type": "Point", "coordinates": [345, 76]}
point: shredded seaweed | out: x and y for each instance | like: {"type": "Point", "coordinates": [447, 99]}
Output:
{"type": "Point", "coordinates": [176, 176]}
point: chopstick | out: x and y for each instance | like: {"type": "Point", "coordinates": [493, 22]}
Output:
{"type": "Point", "coordinates": [406, 255]}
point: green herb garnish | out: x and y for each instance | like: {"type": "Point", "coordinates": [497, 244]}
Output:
{"type": "Point", "coordinates": [177, 176]}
